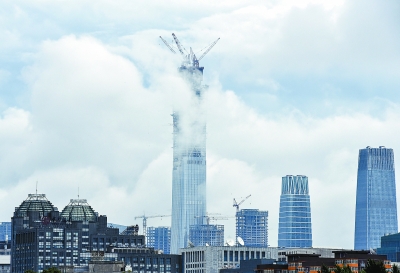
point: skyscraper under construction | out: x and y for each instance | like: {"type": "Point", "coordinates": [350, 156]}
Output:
{"type": "Point", "coordinates": [189, 154]}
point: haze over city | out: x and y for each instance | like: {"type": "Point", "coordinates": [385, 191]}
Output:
{"type": "Point", "coordinates": [295, 87]}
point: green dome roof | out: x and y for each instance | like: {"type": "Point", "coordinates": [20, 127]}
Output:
{"type": "Point", "coordinates": [35, 202]}
{"type": "Point", "coordinates": [79, 210]}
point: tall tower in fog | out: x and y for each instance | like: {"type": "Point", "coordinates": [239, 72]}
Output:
{"type": "Point", "coordinates": [189, 154]}
{"type": "Point", "coordinates": [295, 213]}
{"type": "Point", "coordinates": [376, 207]}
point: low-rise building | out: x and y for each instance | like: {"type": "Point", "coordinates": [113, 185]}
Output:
{"type": "Point", "coordinates": [210, 259]}
{"type": "Point", "coordinates": [5, 264]}
{"type": "Point", "coordinates": [313, 263]}
{"type": "Point", "coordinates": [390, 246]}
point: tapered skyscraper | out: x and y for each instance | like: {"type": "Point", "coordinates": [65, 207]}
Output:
{"type": "Point", "coordinates": [189, 154]}
{"type": "Point", "coordinates": [295, 213]}
{"type": "Point", "coordinates": [376, 207]}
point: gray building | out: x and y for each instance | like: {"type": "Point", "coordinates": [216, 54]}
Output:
{"type": "Point", "coordinates": [42, 237]}
{"type": "Point", "coordinates": [210, 259]}
{"type": "Point", "coordinates": [5, 264]}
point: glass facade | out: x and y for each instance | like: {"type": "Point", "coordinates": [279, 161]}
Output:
{"type": "Point", "coordinates": [252, 227]}
{"type": "Point", "coordinates": [376, 207]}
{"type": "Point", "coordinates": [189, 164]}
{"type": "Point", "coordinates": [295, 213]}
{"type": "Point", "coordinates": [35, 202]}
{"type": "Point", "coordinates": [159, 238]}
{"type": "Point", "coordinates": [390, 246]}
{"type": "Point", "coordinates": [207, 235]}
{"type": "Point", "coordinates": [5, 231]}
{"type": "Point", "coordinates": [78, 210]}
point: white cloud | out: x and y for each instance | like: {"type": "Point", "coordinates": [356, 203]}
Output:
{"type": "Point", "coordinates": [102, 86]}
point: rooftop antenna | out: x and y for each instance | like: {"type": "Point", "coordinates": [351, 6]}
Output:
{"type": "Point", "coordinates": [78, 192]}
{"type": "Point", "coordinates": [36, 186]}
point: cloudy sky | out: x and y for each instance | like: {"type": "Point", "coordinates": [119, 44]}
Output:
{"type": "Point", "coordinates": [295, 87]}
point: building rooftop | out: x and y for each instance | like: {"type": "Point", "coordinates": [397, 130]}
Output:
{"type": "Point", "coordinates": [35, 202]}
{"type": "Point", "coordinates": [78, 210]}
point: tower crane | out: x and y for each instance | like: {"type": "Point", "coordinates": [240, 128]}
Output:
{"type": "Point", "coordinates": [236, 204]}
{"type": "Point", "coordinates": [145, 220]}
{"type": "Point", "coordinates": [189, 58]}
{"type": "Point", "coordinates": [166, 43]}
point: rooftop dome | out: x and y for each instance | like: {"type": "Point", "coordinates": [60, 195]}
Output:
{"type": "Point", "coordinates": [35, 202]}
{"type": "Point", "coordinates": [78, 210]}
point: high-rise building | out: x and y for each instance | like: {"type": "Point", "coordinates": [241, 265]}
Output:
{"type": "Point", "coordinates": [252, 227]}
{"type": "Point", "coordinates": [207, 235]}
{"type": "Point", "coordinates": [376, 207]}
{"type": "Point", "coordinates": [295, 213]}
{"type": "Point", "coordinates": [42, 237]}
{"type": "Point", "coordinates": [189, 157]}
{"type": "Point", "coordinates": [159, 238]}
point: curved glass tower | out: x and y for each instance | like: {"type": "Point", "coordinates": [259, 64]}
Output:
{"type": "Point", "coordinates": [295, 213]}
{"type": "Point", "coordinates": [376, 207]}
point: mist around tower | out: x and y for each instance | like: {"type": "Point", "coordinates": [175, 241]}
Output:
{"type": "Point", "coordinates": [295, 87]}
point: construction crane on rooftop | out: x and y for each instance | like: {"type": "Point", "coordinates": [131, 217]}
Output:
{"type": "Point", "coordinates": [189, 58]}
{"type": "Point", "coordinates": [145, 220]}
{"type": "Point", "coordinates": [236, 204]}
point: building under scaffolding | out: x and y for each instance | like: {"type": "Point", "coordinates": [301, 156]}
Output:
{"type": "Point", "coordinates": [207, 235]}
{"type": "Point", "coordinates": [252, 227]}
{"type": "Point", "coordinates": [159, 238]}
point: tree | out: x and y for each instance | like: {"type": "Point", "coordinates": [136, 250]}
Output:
{"type": "Point", "coordinates": [29, 271]}
{"type": "Point", "coordinates": [325, 269]}
{"type": "Point", "coordinates": [51, 270]}
{"type": "Point", "coordinates": [395, 269]}
{"type": "Point", "coordinates": [375, 267]}
{"type": "Point", "coordinates": [339, 269]}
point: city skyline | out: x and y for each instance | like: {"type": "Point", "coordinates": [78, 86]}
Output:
{"type": "Point", "coordinates": [86, 93]}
